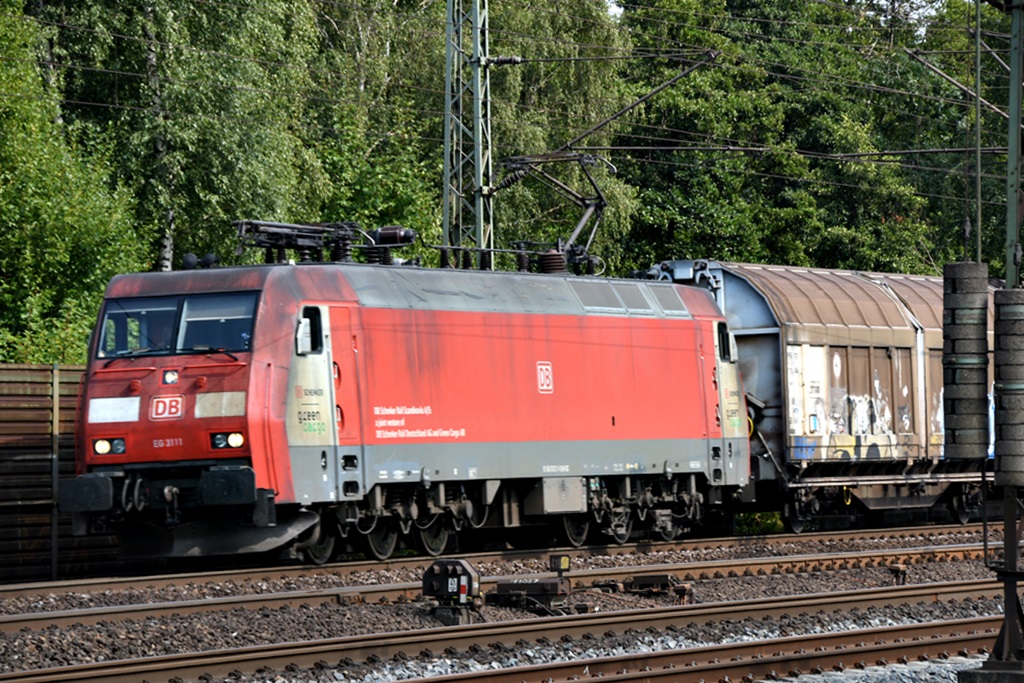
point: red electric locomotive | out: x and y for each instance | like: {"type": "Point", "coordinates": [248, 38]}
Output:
{"type": "Point", "coordinates": [293, 406]}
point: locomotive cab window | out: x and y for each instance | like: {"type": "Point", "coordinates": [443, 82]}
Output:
{"type": "Point", "coordinates": [308, 334]}
{"type": "Point", "coordinates": [218, 321]}
{"type": "Point", "coordinates": [137, 326]}
{"type": "Point", "coordinates": [174, 324]}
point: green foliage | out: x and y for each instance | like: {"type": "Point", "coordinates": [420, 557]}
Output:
{"type": "Point", "coordinates": [210, 101]}
{"type": "Point", "coordinates": [63, 232]}
{"type": "Point", "coordinates": [757, 523]}
{"type": "Point", "coordinates": [130, 134]}
{"type": "Point", "coordinates": [777, 162]}
{"type": "Point", "coordinates": [560, 92]}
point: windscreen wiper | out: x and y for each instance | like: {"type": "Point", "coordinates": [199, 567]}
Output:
{"type": "Point", "coordinates": [203, 348]}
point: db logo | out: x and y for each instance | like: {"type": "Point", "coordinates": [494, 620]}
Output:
{"type": "Point", "coordinates": [545, 378]}
{"type": "Point", "coordinates": [166, 407]}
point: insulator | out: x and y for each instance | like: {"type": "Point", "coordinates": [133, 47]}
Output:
{"type": "Point", "coordinates": [1009, 387]}
{"type": "Point", "coordinates": [268, 255]}
{"type": "Point", "coordinates": [446, 259]}
{"type": "Point", "coordinates": [522, 261]}
{"type": "Point", "coordinates": [965, 361]}
{"type": "Point", "coordinates": [505, 60]}
{"type": "Point", "coordinates": [386, 257]}
{"type": "Point", "coordinates": [467, 259]}
{"type": "Point", "coordinates": [511, 179]}
{"type": "Point", "coordinates": [552, 261]}
{"type": "Point", "coordinates": [372, 255]}
{"type": "Point", "coordinates": [282, 255]}
{"type": "Point", "coordinates": [341, 249]}
{"type": "Point", "coordinates": [591, 265]}
{"type": "Point", "coordinates": [485, 260]}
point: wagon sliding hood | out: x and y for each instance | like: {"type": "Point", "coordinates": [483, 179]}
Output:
{"type": "Point", "coordinates": [847, 365]}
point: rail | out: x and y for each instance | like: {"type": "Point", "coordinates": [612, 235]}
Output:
{"type": "Point", "coordinates": [361, 647]}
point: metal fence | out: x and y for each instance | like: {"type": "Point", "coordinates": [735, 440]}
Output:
{"type": "Point", "coordinates": [37, 425]}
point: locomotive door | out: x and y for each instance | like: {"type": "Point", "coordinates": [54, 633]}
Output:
{"type": "Point", "coordinates": [309, 408]}
{"type": "Point", "coordinates": [347, 404]}
{"type": "Point", "coordinates": [729, 458]}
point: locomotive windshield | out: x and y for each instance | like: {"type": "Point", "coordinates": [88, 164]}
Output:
{"type": "Point", "coordinates": [177, 324]}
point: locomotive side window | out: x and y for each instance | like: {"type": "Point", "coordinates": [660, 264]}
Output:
{"type": "Point", "coordinates": [308, 335]}
{"type": "Point", "coordinates": [668, 298]}
{"type": "Point", "coordinates": [724, 343]}
{"type": "Point", "coordinates": [633, 298]}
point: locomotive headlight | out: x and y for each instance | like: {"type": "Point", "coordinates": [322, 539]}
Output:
{"type": "Point", "coordinates": [227, 440]}
{"type": "Point", "coordinates": [105, 446]}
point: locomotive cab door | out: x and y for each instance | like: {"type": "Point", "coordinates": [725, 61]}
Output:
{"type": "Point", "coordinates": [730, 457]}
{"type": "Point", "coordinates": [312, 440]}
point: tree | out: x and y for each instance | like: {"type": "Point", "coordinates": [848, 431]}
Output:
{"type": "Point", "coordinates": [762, 168]}
{"type": "Point", "coordinates": [63, 231]}
{"type": "Point", "coordinates": [376, 107]}
{"type": "Point", "coordinates": [567, 85]}
{"type": "Point", "coordinates": [206, 104]}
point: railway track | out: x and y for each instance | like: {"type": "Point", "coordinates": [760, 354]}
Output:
{"type": "Point", "coordinates": [897, 560]}
{"type": "Point", "coordinates": [753, 656]}
{"type": "Point", "coordinates": [764, 659]}
{"type": "Point", "coordinates": [638, 554]}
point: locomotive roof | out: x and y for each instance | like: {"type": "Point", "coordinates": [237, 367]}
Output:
{"type": "Point", "coordinates": [435, 289]}
{"type": "Point", "coordinates": [520, 292]}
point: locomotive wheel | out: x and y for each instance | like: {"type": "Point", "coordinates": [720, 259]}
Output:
{"type": "Point", "coordinates": [382, 539]}
{"type": "Point", "coordinates": [575, 529]}
{"type": "Point", "coordinates": [668, 534]}
{"type": "Point", "coordinates": [622, 527]}
{"type": "Point", "coordinates": [433, 538]}
{"type": "Point", "coordinates": [479, 515]}
{"type": "Point", "coordinates": [322, 551]}
{"type": "Point", "coordinates": [963, 516]}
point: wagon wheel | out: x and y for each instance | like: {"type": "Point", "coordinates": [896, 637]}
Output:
{"type": "Point", "coordinates": [322, 550]}
{"type": "Point", "coordinates": [621, 527]}
{"type": "Point", "coordinates": [961, 509]}
{"type": "Point", "coordinates": [382, 539]}
{"type": "Point", "coordinates": [575, 529]}
{"type": "Point", "coordinates": [433, 537]}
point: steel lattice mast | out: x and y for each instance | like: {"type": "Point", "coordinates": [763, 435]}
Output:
{"type": "Point", "coordinates": [468, 217]}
